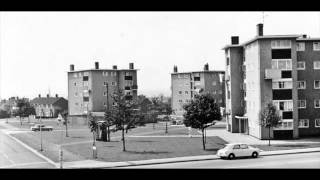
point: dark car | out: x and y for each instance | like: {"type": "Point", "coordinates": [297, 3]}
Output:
{"type": "Point", "coordinates": [43, 127]}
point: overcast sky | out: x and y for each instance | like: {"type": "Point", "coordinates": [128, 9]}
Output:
{"type": "Point", "coordinates": [37, 47]}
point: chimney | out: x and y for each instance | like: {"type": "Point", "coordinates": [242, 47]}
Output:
{"type": "Point", "coordinates": [96, 65]}
{"type": "Point", "coordinates": [114, 67]}
{"type": "Point", "coordinates": [57, 95]}
{"type": "Point", "coordinates": [131, 66]}
{"type": "Point", "coordinates": [47, 95]}
{"type": "Point", "coordinates": [39, 95]}
{"type": "Point", "coordinates": [259, 29]}
{"type": "Point", "coordinates": [175, 69]}
{"type": "Point", "coordinates": [304, 36]}
{"type": "Point", "coordinates": [234, 40]}
{"type": "Point", "coordinates": [206, 67]}
{"type": "Point", "coordinates": [71, 67]}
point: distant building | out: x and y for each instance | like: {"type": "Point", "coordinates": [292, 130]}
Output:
{"type": "Point", "coordinates": [49, 107]}
{"type": "Point", "coordinates": [90, 90]}
{"type": "Point", "coordinates": [184, 85]}
{"type": "Point", "coordinates": [281, 69]}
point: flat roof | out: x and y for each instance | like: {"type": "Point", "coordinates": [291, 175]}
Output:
{"type": "Point", "coordinates": [308, 39]}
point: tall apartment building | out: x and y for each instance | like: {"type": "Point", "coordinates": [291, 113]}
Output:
{"type": "Point", "coordinates": [90, 90]}
{"type": "Point", "coordinates": [184, 85]}
{"type": "Point", "coordinates": [281, 69]}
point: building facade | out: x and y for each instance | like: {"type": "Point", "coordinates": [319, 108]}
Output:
{"type": "Point", "coordinates": [184, 85]}
{"type": "Point", "coordinates": [49, 107]}
{"type": "Point", "coordinates": [90, 90]}
{"type": "Point", "coordinates": [279, 69]}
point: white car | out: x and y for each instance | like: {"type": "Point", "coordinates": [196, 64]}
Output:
{"type": "Point", "coordinates": [233, 150]}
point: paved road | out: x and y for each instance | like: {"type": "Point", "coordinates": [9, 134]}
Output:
{"type": "Point", "coordinates": [14, 155]}
{"type": "Point", "coordinates": [303, 160]}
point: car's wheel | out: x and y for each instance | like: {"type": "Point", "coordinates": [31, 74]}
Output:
{"type": "Point", "coordinates": [254, 154]}
{"type": "Point", "coordinates": [231, 156]}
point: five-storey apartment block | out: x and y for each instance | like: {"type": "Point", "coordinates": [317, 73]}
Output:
{"type": "Point", "coordinates": [281, 69]}
{"type": "Point", "coordinates": [184, 85]}
{"type": "Point", "coordinates": [90, 90]}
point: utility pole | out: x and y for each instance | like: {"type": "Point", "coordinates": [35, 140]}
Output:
{"type": "Point", "coordinates": [41, 149]}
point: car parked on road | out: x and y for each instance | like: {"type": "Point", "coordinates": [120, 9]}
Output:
{"type": "Point", "coordinates": [36, 127]}
{"type": "Point", "coordinates": [234, 150]}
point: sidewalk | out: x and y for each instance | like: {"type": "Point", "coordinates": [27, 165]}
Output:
{"type": "Point", "coordinates": [100, 164]}
{"type": "Point", "coordinates": [243, 138]}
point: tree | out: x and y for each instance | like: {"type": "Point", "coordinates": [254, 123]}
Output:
{"type": "Point", "coordinates": [269, 117]}
{"type": "Point", "coordinates": [168, 111]}
{"type": "Point", "coordinates": [201, 112]}
{"type": "Point", "coordinates": [93, 125]}
{"type": "Point", "coordinates": [24, 109]}
{"type": "Point", "coordinates": [109, 121]}
{"type": "Point", "coordinates": [124, 113]}
{"type": "Point", "coordinates": [64, 115]}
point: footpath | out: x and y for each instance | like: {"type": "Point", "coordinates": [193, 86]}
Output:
{"type": "Point", "coordinates": [99, 164]}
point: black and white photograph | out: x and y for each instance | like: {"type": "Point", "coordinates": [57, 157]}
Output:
{"type": "Point", "coordinates": [159, 89]}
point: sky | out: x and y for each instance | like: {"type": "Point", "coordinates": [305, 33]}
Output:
{"type": "Point", "coordinates": [36, 48]}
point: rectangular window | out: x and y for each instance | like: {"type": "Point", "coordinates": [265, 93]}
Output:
{"type": "Point", "coordinates": [127, 88]}
{"type": "Point", "coordinates": [317, 103]}
{"type": "Point", "coordinates": [196, 78]}
{"type": "Point", "coordinates": [180, 92]}
{"type": "Point", "coordinates": [301, 84]}
{"type": "Point", "coordinates": [301, 65]}
{"type": "Point", "coordinates": [281, 54]}
{"type": "Point", "coordinates": [186, 92]}
{"type": "Point", "coordinates": [76, 94]}
{"type": "Point", "coordinates": [317, 123]}
{"type": "Point", "coordinates": [284, 105]}
{"type": "Point", "coordinates": [316, 46]}
{"type": "Point", "coordinates": [303, 123]}
{"type": "Point", "coordinates": [316, 65]}
{"type": "Point", "coordinates": [85, 99]}
{"type": "Point", "coordinates": [317, 84]}
{"type": "Point", "coordinates": [75, 84]}
{"type": "Point", "coordinates": [302, 104]}
{"type": "Point", "coordinates": [127, 73]}
{"type": "Point", "coordinates": [127, 77]}
{"type": "Point", "coordinates": [113, 83]}
{"type": "Point", "coordinates": [85, 78]}
{"type": "Point", "coordinates": [105, 83]}
{"type": "Point", "coordinates": [300, 46]}
{"type": "Point", "coordinates": [281, 44]}
{"type": "Point", "coordinates": [105, 93]}
{"type": "Point", "coordinates": [228, 61]}
{"type": "Point", "coordinates": [75, 75]}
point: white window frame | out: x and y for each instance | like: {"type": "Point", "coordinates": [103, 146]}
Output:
{"type": "Point", "coordinates": [307, 120]}
{"type": "Point", "coordinates": [314, 101]}
{"type": "Point", "coordinates": [276, 62]}
{"type": "Point", "coordinates": [304, 65]}
{"type": "Point", "coordinates": [105, 93]}
{"type": "Point", "coordinates": [305, 104]}
{"type": "Point", "coordinates": [316, 63]}
{"type": "Point", "coordinates": [280, 44]}
{"type": "Point", "coordinates": [286, 84]}
{"type": "Point", "coordinates": [314, 84]}
{"type": "Point", "coordinates": [304, 82]}
{"type": "Point", "coordinates": [315, 123]}
{"type": "Point", "coordinates": [113, 83]}
{"type": "Point", "coordinates": [316, 46]}
{"type": "Point", "coordinates": [288, 105]}
{"type": "Point", "coordinates": [300, 46]}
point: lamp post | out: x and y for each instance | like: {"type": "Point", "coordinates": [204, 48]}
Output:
{"type": "Point", "coordinates": [41, 113]}
{"type": "Point", "coordinates": [60, 148]}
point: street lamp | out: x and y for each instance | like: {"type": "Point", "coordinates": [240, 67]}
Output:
{"type": "Point", "coordinates": [60, 148]}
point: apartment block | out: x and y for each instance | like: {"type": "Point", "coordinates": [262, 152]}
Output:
{"type": "Point", "coordinates": [90, 90]}
{"type": "Point", "coordinates": [281, 69]}
{"type": "Point", "coordinates": [184, 85]}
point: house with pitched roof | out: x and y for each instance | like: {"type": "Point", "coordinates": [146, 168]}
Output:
{"type": "Point", "coordinates": [49, 107]}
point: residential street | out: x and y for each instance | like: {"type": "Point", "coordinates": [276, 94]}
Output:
{"type": "Point", "coordinates": [303, 160]}
{"type": "Point", "coordinates": [14, 155]}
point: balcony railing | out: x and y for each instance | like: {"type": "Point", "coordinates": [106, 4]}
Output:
{"type": "Point", "coordinates": [272, 74]}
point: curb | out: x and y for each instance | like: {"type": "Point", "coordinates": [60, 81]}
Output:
{"type": "Point", "coordinates": [34, 151]}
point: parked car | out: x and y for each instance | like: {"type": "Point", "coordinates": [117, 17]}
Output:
{"type": "Point", "coordinates": [234, 150]}
{"type": "Point", "coordinates": [36, 127]}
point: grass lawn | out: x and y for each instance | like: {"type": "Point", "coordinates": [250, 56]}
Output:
{"type": "Point", "coordinates": [277, 147]}
{"type": "Point", "coordinates": [144, 148]}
